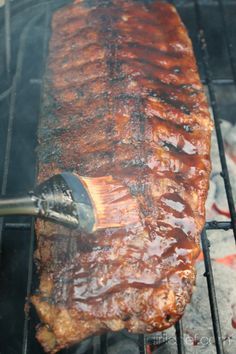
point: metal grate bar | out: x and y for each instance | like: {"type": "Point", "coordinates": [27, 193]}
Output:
{"type": "Point", "coordinates": [180, 337]}
{"type": "Point", "coordinates": [142, 344]}
{"type": "Point", "coordinates": [220, 81]}
{"type": "Point", "coordinates": [225, 175]}
{"type": "Point", "coordinates": [216, 115]}
{"type": "Point", "coordinates": [9, 140]}
{"type": "Point", "coordinates": [7, 35]}
{"type": "Point", "coordinates": [227, 37]}
{"type": "Point", "coordinates": [17, 226]}
{"type": "Point", "coordinates": [212, 293]}
{"type": "Point", "coordinates": [30, 265]}
{"type": "Point", "coordinates": [103, 343]}
{"type": "Point", "coordinates": [218, 225]}
{"type": "Point", "coordinates": [5, 93]}
{"type": "Point", "coordinates": [210, 225]}
{"type": "Point", "coordinates": [96, 345]}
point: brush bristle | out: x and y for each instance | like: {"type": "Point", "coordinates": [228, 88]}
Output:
{"type": "Point", "coordinates": [113, 204]}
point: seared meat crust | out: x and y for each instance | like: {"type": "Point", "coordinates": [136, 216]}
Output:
{"type": "Point", "coordinates": [122, 97]}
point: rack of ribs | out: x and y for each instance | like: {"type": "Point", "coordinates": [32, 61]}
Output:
{"type": "Point", "coordinates": [122, 97]}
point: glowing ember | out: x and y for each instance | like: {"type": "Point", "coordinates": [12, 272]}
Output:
{"type": "Point", "coordinates": [228, 260]}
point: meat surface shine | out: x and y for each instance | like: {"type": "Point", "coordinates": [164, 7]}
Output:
{"type": "Point", "coordinates": [122, 97]}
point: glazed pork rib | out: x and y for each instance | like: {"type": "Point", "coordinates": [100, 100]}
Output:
{"type": "Point", "coordinates": [122, 98]}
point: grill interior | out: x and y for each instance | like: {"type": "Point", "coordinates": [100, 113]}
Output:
{"type": "Point", "coordinates": [24, 29]}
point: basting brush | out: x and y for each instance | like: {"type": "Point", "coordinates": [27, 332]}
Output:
{"type": "Point", "coordinates": [86, 203]}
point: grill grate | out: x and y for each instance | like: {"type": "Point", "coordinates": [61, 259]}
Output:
{"type": "Point", "coordinates": [20, 84]}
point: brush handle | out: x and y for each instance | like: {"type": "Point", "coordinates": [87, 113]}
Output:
{"type": "Point", "coordinates": [32, 205]}
{"type": "Point", "coordinates": [26, 205]}
{"type": "Point", "coordinates": [62, 199]}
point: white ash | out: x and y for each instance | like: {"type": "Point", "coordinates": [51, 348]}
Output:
{"type": "Point", "coordinates": [197, 319]}
{"type": "Point", "coordinates": [217, 193]}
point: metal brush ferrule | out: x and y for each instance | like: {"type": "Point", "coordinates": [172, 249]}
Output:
{"type": "Point", "coordinates": [81, 198]}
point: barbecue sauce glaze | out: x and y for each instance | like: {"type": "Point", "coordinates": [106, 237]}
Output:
{"type": "Point", "coordinates": [122, 97]}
